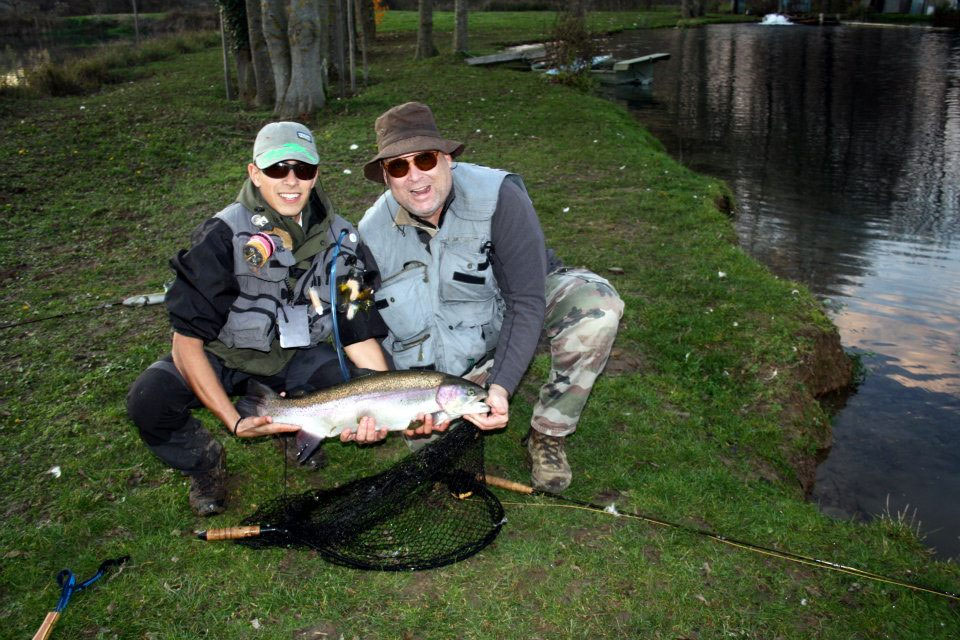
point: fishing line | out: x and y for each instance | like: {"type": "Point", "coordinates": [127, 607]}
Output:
{"type": "Point", "coordinates": [733, 542]}
{"type": "Point", "coordinates": [132, 301]}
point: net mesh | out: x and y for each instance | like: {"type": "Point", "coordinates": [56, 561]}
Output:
{"type": "Point", "coordinates": [428, 510]}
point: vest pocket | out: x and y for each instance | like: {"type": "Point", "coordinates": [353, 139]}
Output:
{"type": "Point", "coordinates": [248, 327]}
{"type": "Point", "coordinates": [416, 351]}
{"type": "Point", "coordinates": [404, 303]}
{"type": "Point", "coordinates": [465, 271]}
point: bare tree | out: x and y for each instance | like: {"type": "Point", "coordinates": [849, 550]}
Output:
{"type": "Point", "coordinates": [460, 11]}
{"type": "Point", "coordinates": [368, 28]}
{"type": "Point", "coordinates": [425, 46]}
{"type": "Point", "coordinates": [305, 92]}
{"type": "Point", "coordinates": [259, 56]}
{"type": "Point", "coordinates": [293, 37]}
{"type": "Point", "coordinates": [338, 43]}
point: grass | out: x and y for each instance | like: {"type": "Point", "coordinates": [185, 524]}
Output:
{"type": "Point", "coordinates": [690, 425]}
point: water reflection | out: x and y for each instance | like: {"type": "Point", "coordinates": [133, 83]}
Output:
{"type": "Point", "coordinates": [842, 146]}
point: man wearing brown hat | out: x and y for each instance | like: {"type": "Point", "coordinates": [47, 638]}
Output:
{"type": "Point", "coordinates": [242, 309]}
{"type": "Point", "coordinates": [468, 285]}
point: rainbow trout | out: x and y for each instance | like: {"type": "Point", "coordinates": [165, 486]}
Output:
{"type": "Point", "coordinates": [393, 399]}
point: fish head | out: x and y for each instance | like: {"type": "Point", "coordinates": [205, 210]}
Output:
{"type": "Point", "coordinates": [459, 397]}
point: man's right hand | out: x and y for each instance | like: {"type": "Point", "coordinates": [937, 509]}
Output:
{"type": "Point", "coordinates": [254, 426]}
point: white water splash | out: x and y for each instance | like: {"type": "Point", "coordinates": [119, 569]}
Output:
{"type": "Point", "coordinates": [775, 19]}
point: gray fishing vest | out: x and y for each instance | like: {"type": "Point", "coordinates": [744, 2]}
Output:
{"type": "Point", "coordinates": [442, 307]}
{"type": "Point", "coordinates": [264, 291]}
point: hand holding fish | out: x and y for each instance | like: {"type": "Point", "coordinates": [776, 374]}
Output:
{"type": "Point", "coordinates": [425, 426]}
{"type": "Point", "coordinates": [499, 402]}
{"type": "Point", "coordinates": [365, 433]}
{"type": "Point", "coordinates": [255, 426]}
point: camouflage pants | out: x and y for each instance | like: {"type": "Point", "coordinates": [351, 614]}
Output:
{"type": "Point", "coordinates": [583, 314]}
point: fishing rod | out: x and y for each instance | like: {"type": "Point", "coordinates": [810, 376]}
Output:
{"type": "Point", "coordinates": [142, 300]}
{"type": "Point", "coordinates": [517, 487]}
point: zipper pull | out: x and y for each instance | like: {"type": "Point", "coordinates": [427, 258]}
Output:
{"type": "Point", "coordinates": [420, 355]}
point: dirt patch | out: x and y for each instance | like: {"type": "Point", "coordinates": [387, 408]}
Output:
{"type": "Point", "coordinates": [421, 584]}
{"type": "Point", "coordinates": [826, 368]}
{"type": "Point", "coordinates": [623, 361]}
{"type": "Point", "coordinates": [326, 630]}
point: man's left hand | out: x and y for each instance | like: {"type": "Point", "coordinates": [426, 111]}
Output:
{"type": "Point", "coordinates": [499, 402]}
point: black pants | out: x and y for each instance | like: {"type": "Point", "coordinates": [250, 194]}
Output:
{"type": "Point", "coordinates": [160, 403]}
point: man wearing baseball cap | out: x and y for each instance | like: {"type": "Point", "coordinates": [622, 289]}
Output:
{"type": "Point", "coordinates": [251, 301]}
{"type": "Point", "coordinates": [468, 285]}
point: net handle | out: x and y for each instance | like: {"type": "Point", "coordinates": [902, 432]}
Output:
{"type": "Point", "coordinates": [231, 533]}
{"type": "Point", "coordinates": [47, 627]}
{"type": "Point", "coordinates": [509, 485]}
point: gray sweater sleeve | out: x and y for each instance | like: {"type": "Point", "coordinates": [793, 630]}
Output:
{"type": "Point", "coordinates": [519, 263]}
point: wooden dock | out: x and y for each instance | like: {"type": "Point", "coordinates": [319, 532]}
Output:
{"type": "Point", "coordinates": [523, 52]}
{"type": "Point", "coordinates": [632, 71]}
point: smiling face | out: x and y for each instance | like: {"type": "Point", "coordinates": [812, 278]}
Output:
{"type": "Point", "coordinates": [288, 196]}
{"type": "Point", "coordinates": [422, 193]}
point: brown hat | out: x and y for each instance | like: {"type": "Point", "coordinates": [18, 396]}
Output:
{"type": "Point", "coordinates": [404, 129]}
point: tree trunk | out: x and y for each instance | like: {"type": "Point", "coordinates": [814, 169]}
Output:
{"type": "Point", "coordinates": [368, 19]}
{"type": "Point", "coordinates": [365, 37]}
{"type": "Point", "coordinates": [226, 62]}
{"type": "Point", "coordinates": [246, 81]}
{"type": "Point", "coordinates": [352, 45]}
{"type": "Point", "coordinates": [259, 56]}
{"type": "Point", "coordinates": [425, 46]}
{"type": "Point", "coordinates": [460, 12]}
{"type": "Point", "coordinates": [338, 42]}
{"type": "Point", "coordinates": [275, 34]}
{"type": "Point", "coordinates": [305, 94]}
{"type": "Point", "coordinates": [136, 22]}
{"type": "Point", "coordinates": [691, 8]}
{"type": "Point", "coordinates": [578, 8]}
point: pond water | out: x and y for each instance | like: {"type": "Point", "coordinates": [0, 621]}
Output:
{"type": "Point", "coordinates": [30, 50]}
{"type": "Point", "coordinates": [842, 145]}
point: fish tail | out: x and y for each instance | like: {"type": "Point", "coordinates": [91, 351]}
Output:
{"type": "Point", "coordinates": [256, 400]}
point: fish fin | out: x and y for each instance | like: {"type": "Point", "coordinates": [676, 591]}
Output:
{"type": "Point", "coordinates": [307, 445]}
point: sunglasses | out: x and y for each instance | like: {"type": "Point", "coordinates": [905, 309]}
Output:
{"type": "Point", "coordinates": [282, 170]}
{"type": "Point", "coordinates": [398, 167]}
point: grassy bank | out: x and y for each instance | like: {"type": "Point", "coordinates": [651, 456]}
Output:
{"type": "Point", "coordinates": [699, 420]}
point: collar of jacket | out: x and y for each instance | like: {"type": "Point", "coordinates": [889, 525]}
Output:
{"type": "Point", "coordinates": [405, 218]}
{"type": "Point", "coordinates": [308, 240]}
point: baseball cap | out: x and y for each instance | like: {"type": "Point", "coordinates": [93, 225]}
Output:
{"type": "Point", "coordinates": [279, 141]}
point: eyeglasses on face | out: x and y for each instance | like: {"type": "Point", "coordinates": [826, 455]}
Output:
{"type": "Point", "coordinates": [399, 167]}
{"type": "Point", "coordinates": [282, 170]}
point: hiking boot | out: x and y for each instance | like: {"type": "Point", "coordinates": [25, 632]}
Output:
{"type": "Point", "coordinates": [208, 489]}
{"type": "Point", "coordinates": [288, 447]}
{"type": "Point", "coordinates": [549, 470]}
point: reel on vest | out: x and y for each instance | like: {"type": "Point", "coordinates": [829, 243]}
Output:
{"type": "Point", "coordinates": [355, 290]}
{"type": "Point", "coordinates": [263, 244]}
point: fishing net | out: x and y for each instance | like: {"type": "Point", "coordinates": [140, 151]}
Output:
{"type": "Point", "coordinates": [428, 510]}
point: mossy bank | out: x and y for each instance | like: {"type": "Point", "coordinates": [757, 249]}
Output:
{"type": "Point", "coordinates": [705, 416]}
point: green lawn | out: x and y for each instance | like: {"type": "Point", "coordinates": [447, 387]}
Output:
{"type": "Point", "coordinates": [702, 419]}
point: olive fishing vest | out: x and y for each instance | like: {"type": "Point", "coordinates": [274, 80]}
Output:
{"type": "Point", "coordinates": [442, 307]}
{"type": "Point", "coordinates": [265, 291]}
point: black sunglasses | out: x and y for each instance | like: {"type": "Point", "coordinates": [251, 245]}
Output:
{"type": "Point", "coordinates": [282, 169]}
{"type": "Point", "coordinates": [398, 167]}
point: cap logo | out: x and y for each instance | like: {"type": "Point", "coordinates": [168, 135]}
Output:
{"type": "Point", "coordinates": [306, 136]}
